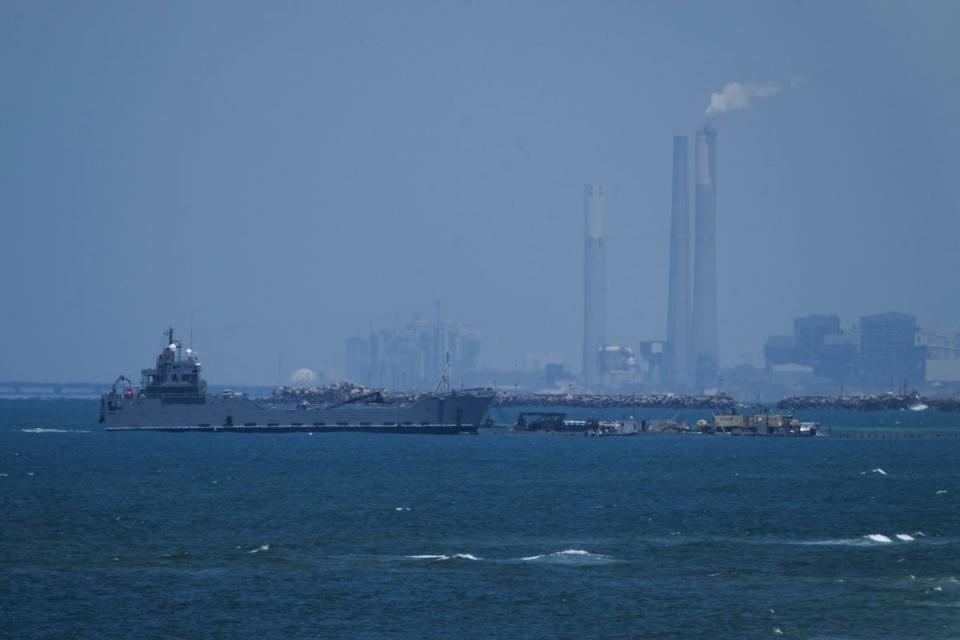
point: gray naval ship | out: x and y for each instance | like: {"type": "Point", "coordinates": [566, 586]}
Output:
{"type": "Point", "coordinates": [173, 397]}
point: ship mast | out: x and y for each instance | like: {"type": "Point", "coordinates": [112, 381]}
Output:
{"type": "Point", "coordinates": [443, 386]}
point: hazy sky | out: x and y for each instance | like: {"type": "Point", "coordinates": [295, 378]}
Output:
{"type": "Point", "coordinates": [287, 172]}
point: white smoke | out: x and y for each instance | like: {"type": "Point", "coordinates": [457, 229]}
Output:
{"type": "Point", "coordinates": [739, 95]}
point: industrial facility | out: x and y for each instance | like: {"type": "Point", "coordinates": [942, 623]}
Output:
{"type": "Point", "coordinates": [688, 360]}
{"type": "Point", "coordinates": [887, 351]}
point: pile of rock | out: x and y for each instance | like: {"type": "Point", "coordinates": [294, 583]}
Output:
{"type": "Point", "coordinates": [717, 402]}
{"type": "Point", "coordinates": [869, 402]}
{"type": "Point", "coordinates": [343, 391]}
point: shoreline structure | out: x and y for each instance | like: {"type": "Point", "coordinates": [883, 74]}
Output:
{"type": "Point", "coordinates": [339, 392]}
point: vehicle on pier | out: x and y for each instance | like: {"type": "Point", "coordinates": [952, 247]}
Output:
{"type": "Point", "coordinates": [758, 424]}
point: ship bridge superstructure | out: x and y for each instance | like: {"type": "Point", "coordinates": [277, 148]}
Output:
{"type": "Point", "coordinates": [176, 377]}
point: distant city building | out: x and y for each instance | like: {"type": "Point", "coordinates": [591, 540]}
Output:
{"type": "Point", "coordinates": [619, 369]}
{"type": "Point", "coordinates": [412, 356]}
{"type": "Point", "coordinates": [942, 348]}
{"type": "Point", "coordinates": [885, 352]}
{"type": "Point", "coordinates": [468, 351]}
{"type": "Point", "coordinates": [358, 359]}
{"type": "Point", "coordinates": [652, 358]}
{"type": "Point", "coordinates": [890, 356]}
{"type": "Point", "coordinates": [818, 343]}
{"type": "Point", "coordinates": [538, 361]}
{"type": "Point", "coordinates": [809, 333]}
{"type": "Point", "coordinates": [837, 356]}
{"type": "Point", "coordinates": [554, 374]}
{"type": "Point", "coordinates": [942, 344]}
{"type": "Point", "coordinates": [779, 349]}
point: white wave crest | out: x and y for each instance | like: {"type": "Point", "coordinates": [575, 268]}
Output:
{"type": "Point", "coordinates": [42, 430]}
{"type": "Point", "coordinates": [869, 540]}
{"type": "Point", "coordinates": [263, 547]}
{"type": "Point", "coordinates": [442, 557]}
{"type": "Point", "coordinates": [878, 537]}
{"type": "Point", "coordinates": [569, 555]}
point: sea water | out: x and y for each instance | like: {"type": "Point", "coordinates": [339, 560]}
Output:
{"type": "Point", "coordinates": [153, 535]}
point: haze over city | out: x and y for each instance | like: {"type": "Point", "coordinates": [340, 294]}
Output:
{"type": "Point", "coordinates": [474, 319]}
{"type": "Point", "coordinates": [280, 177]}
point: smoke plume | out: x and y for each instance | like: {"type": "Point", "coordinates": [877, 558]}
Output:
{"type": "Point", "coordinates": [739, 95]}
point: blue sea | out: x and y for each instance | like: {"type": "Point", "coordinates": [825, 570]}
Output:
{"type": "Point", "coordinates": [152, 535]}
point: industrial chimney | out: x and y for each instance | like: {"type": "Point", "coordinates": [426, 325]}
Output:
{"type": "Point", "coordinates": [594, 284]}
{"type": "Point", "coordinates": [680, 362]}
{"type": "Point", "coordinates": [705, 333]}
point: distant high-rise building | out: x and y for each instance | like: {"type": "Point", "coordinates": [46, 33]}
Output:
{"type": "Point", "coordinates": [818, 342]}
{"type": "Point", "coordinates": [680, 360]}
{"type": "Point", "coordinates": [889, 355]}
{"type": "Point", "coordinates": [704, 319]}
{"type": "Point", "coordinates": [469, 352]}
{"type": "Point", "coordinates": [780, 349]}
{"type": "Point", "coordinates": [594, 284]}
{"type": "Point", "coordinates": [358, 359]}
{"type": "Point", "coordinates": [838, 355]}
{"type": "Point", "coordinates": [413, 355]}
{"type": "Point", "coordinates": [810, 333]}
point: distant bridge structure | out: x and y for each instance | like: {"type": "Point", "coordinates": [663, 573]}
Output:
{"type": "Point", "coordinates": [33, 389]}
{"type": "Point", "coordinates": [938, 342]}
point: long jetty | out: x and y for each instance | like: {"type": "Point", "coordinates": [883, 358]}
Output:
{"type": "Point", "coordinates": [341, 392]}
{"type": "Point", "coordinates": [869, 402]}
{"type": "Point", "coordinates": [881, 434]}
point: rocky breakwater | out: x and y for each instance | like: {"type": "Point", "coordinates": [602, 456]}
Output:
{"type": "Point", "coordinates": [869, 402]}
{"type": "Point", "coordinates": [719, 402]}
{"type": "Point", "coordinates": [346, 391]}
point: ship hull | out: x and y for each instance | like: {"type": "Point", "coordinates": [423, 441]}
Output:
{"type": "Point", "coordinates": [435, 414]}
{"type": "Point", "coordinates": [431, 429]}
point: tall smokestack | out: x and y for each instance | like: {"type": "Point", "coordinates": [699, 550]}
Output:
{"type": "Point", "coordinates": [594, 284]}
{"type": "Point", "coordinates": [678, 306]}
{"type": "Point", "coordinates": [705, 338]}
